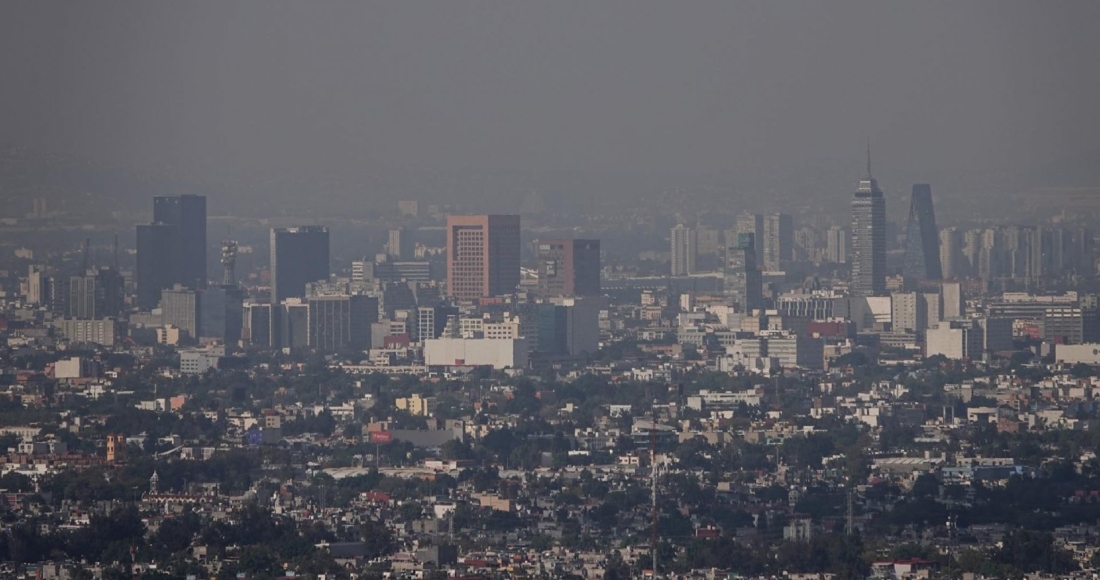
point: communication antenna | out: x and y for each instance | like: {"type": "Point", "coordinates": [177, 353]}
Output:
{"type": "Point", "coordinates": [653, 485]}
{"type": "Point", "coordinates": [229, 262]}
{"type": "Point", "coordinates": [116, 251]}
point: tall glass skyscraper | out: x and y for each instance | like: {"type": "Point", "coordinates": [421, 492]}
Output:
{"type": "Point", "coordinates": [922, 239]}
{"type": "Point", "coordinates": [188, 214]}
{"type": "Point", "coordinates": [172, 249]}
{"type": "Point", "coordinates": [298, 256]}
{"type": "Point", "coordinates": [156, 262]}
{"type": "Point", "coordinates": [868, 252]}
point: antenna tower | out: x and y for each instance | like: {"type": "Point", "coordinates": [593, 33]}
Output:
{"type": "Point", "coordinates": [229, 262]}
{"type": "Point", "coordinates": [653, 485]}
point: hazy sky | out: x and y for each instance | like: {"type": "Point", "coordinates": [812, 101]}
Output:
{"type": "Point", "coordinates": [338, 92]}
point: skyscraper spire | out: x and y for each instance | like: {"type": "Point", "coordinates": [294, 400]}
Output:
{"type": "Point", "coordinates": [868, 158]}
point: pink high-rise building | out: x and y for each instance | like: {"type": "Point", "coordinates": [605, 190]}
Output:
{"type": "Point", "coordinates": [482, 255]}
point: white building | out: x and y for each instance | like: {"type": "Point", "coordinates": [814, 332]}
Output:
{"type": "Point", "coordinates": [797, 351]}
{"type": "Point", "coordinates": [498, 353]}
{"type": "Point", "coordinates": [933, 309]}
{"type": "Point", "coordinates": [73, 368]}
{"type": "Point", "coordinates": [707, 400]}
{"type": "Point", "coordinates": [909, 312]}
{"type": "Point", "coordinates": [956, 340]}
{"type": "Point", "coordinates": [683, 250]}
{"type": "Point", "coordinates": [103, 331]}
{"type": "Point", "coordinates": [1088, 353]}
{"type": "Point", "coordinates": [954, 304]}
{"type": "Point", "coordinates": [195, 362]}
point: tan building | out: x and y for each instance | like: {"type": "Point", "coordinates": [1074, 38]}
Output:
{"type": "Point", "coordinates": [483, 255]}
{"type": "Point", "coordinates": [416, 405]}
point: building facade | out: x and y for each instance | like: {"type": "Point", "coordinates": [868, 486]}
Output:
{"type": "Point", "coordinates": [188, 214]}
{"type": "Point", "coordinates": [868, 251]}
{"type": "Point", "coordinates": [922, 253]}
{"type": "Point", "coordinates": [742, 283]}
{"type": "Point", "coordinates": [778, 241]}
{"type": "Point", "coordinates": [682, 242]}
{"type": "Point", "coordinates": [299, 256]}
{"type": "Point", "coordinates": [483, 255]}
{"type": "Point", "coordinates": [156, 262]}
{"type": "Point", "coordinates": [568, 268]}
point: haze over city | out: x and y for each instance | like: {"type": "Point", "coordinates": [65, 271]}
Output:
{"type": "Point", "coordinates": [480, 102]}
{"type": "Point", "coordinates": [583, 290]}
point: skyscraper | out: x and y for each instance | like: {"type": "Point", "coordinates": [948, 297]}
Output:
{"type": "Point", "coordinates": [751, 223]}
{"type": "Point", "coordinates": [868, 255]}
{"type": "Point", "coordinates": [682, 240]}
{"type": "Point", "coordinates": [221, 315]}
{"type": "Point", "coordinates": [972, 249]}
{"type": "Point", "coordinates": [569, 268]}
{"type": "Point", "coordinates": [778, 241]}
{"type": "Point", "coordinates": [922, 253]}
{"type": "Point", "coordinates": [37, 285]}
{"type": "Point", "coordinates": [340, 322]}
{"type": "Point", "coordinates": [298, 256]}
{"type": "Point", "coordinates": [950, 253]}
{"type": "Point", "coordinates": [742, 282]}
{"type": "Point", "coordinates": [96, 294]}
{"type": "Point", "coordinates": [400, 244]}
{"type": "Point", "coordinates": [836, 245]}
{"type": "Point", "coordinates": [156, 262]}
{"type": "Point", "coordinates": [172, 249]}
{"type": "Point", "coordinates": [188, 214]}
{"type": "Point", "coordinates": [483, 253]}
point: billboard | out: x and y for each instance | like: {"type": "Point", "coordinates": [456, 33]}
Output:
{"type": "Point", "coordinates": [380, 437]}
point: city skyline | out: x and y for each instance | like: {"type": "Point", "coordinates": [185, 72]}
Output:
{"type": "Point", "coordinates": [575, 290]}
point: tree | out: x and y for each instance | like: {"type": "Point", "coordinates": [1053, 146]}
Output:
{"type": "Point", "coordinates": [377, 538]}
{"type": "Point", "coordinates": [115, 532]}
{"type": "Point", "coordinates": [852, 359]}
{"type": "Point", "coordinates": [13, 481]}
{"type": "Point", "coordinates": [1030, 551]}
{"type": "Point", "coordinates": [1081, 371]}
{"type": "Point", "coordinates": [174, 535]}
{"type": "Point", "coordinates": [456, 449]}
{"type": "Point", "coordinates": [926, 485]}
{"type": "Point", "coordinates": [616, 568]}
{"type": "Point", "coordinates": [258, 560]}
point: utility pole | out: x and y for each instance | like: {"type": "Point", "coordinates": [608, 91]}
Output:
{"type": "Point", "coordinates": [851, 511]}
{"type": "Point", "coordinates": [952, 529]}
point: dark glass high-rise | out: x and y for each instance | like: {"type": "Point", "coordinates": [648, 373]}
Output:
{"type": "Point", "coordinates": [156, 262]}
{"type": "Point", "coordinates": [298, 256]}
{"type": "Point", "coordinates": [922, 239]}
{"type": "Point", "coordinates": [188, 214]}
